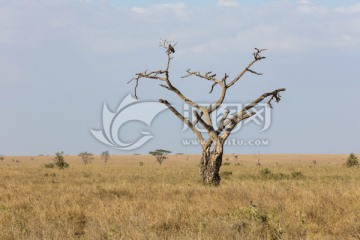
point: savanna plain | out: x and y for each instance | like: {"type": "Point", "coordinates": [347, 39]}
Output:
{"type": "Point", "coordinates": [133, 197]}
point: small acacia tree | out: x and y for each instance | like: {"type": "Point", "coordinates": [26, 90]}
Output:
{"type": "Point", "coordinates": [352, 160]}
{"type": "Point", "coordinates": [105, 156]}
{"type": "Point", "coordinates": [160, 155]}
{"type": "Point", "coordinates": [212, 144]}
{"type": "Point", "coordinates": [86, 157]}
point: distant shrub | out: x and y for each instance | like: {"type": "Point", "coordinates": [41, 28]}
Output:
{"type": "Point", "coordinates": [226, 164]}
{"type": "Point", "coordinates": [59, 160]}
{"type": "Point", "coordinates": [86, 157]}
{"type": "Point", "coordinates": [352, 161]}
{"type": "Point", "coordinates": [266, 173]}
{"type": "Point", "coordinates": [297, 175]}
{"type": "Point", "coordinates": [141, 163]}
{"type": "Point", "coordinates": [2, 158]}
{"type": "Point", "coordinates": [226, 174]}
{"type": "Point", "coordinates": [237, 164]}
{"type": "Point", "coordinates": [49, 165]}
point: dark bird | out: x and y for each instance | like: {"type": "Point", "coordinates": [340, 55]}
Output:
{"type": "Point", "coordinates": [212, 76]}
{"type": "Point", "coordinates": [171, 49]}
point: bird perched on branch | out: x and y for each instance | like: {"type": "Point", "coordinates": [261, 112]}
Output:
{"type": "Point", "coordinates": [171, 49]}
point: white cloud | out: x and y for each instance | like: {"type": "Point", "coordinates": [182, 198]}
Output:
{"type": "Point", "coordinates": [103, 29]}
{"type": "Point", "coordinates": [168, 10]}
{"type": "Point", "coordinates": [304, 2]}
{"type": "Point", "coordinates": [227, 3]}
{"type": "Point", "coordinates": [307, 7]}
{"type": "Point", "coordinates": [179, 9]}
{"type": "Point", "coordinates": [345, 41]}
{"type": "Point", "coordinates": [269, 36]}
{"type": "Point", "coordinates": [350, 9]}
{"type": "Point", "coordinates": [138, 10]}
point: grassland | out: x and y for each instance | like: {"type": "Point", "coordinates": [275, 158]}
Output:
{"type": "Point", "coordinates": [287, 197]}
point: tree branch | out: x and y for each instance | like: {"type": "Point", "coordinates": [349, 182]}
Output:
{"type": "Point", "coordinates": [202, 122]}
{"type": "Point", "coordinates": [257, 57]}
{"type": "Point", "coordinates": [208, 124]}
{"type": "Point", "coordinates": [145, 74]}
{"type": "Point", "coordinates": [222, 121]}
{"type": "Point", "coordinates": [183, 119]}
{"type": "Point", "coordinates": [233, 122]}
{"type": "Point", "coordinates": [163, 75]}
{"type": "Point", "coordinates": [208, 76]}
{"type": "Point", "coordinates": [274, 95]}
{"type": "Point", "coordinates": [243, 114]}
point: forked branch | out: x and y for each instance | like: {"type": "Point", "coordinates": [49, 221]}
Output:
{"type": "Point", "coordinates": [163, 75]}
{"type": "Point", "coordinates": [231, 123]}
{"type": "Point", "coordinates": [257, 57]}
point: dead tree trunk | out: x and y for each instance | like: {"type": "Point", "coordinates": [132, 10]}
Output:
{"type": "Point", "coordinates": [213, 143]}
{"type": "Point", "coordinates": [210, 164]}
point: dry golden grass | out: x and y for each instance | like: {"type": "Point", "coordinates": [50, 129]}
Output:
{"type": "Point", "coordinates": [123, 200]}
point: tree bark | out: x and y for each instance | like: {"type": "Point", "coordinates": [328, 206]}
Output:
{"type": "Point", "coordinates": [210, 165]}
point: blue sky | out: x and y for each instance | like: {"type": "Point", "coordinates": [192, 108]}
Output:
{"type": "Point", "coordinates": [61, 60]}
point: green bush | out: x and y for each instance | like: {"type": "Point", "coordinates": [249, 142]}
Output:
{"type": "Point", "coordinates": [226, 174]}
{"type": "Point", "coordinates": [59, 160]}
{"type": "Point", "coordinates": [352, 161]}
{"type": "Point", "coordinates": [266, 173]}
{"type": "Point", "coordinates": [49, 165]}
{"type": "Point", "coordinates": [297, 175]}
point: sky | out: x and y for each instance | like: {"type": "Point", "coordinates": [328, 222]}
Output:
{"type": "Point", "coordinates": [62, 60]}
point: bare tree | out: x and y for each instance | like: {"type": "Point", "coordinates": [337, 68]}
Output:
{"type": "Point", "coordinates": [212, 144]}
{"type": "Point", "coordinates": [105, 156]}
{"type": "Point", "coordinates": [86, 157]}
